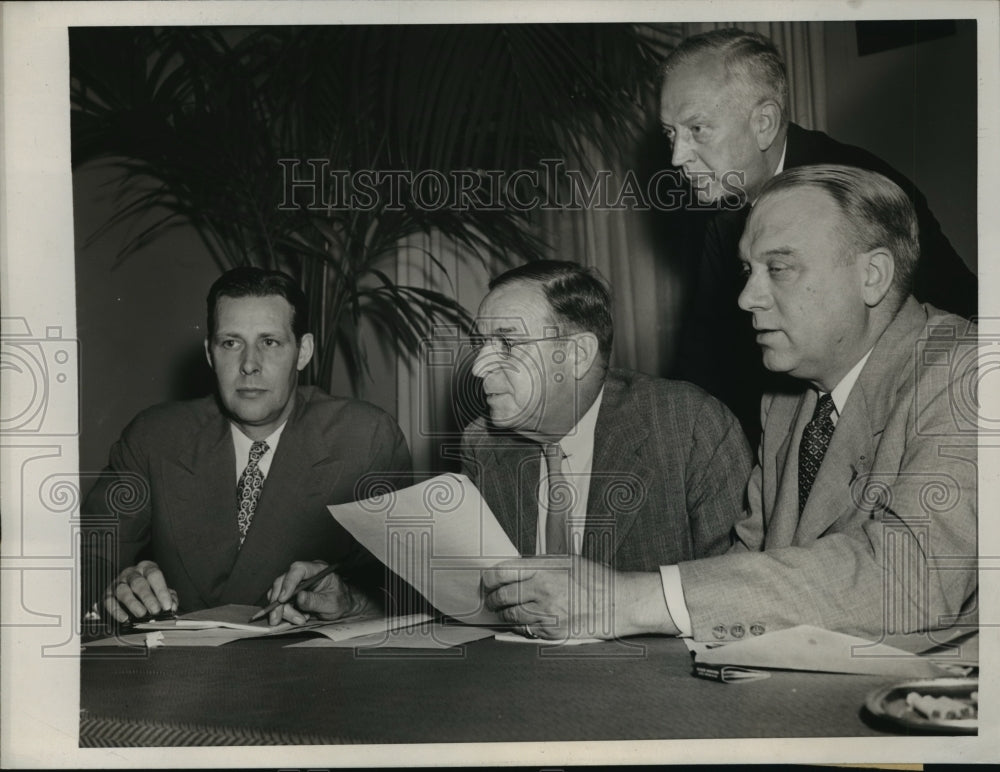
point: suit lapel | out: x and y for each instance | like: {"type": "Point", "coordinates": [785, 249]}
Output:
{"type": "Point", "coordinates": [301, 471]}
{"type": "Point", "coordinates": [201, 510]}
{"type": "Point", "coordinates": [852, 448]}
{"type": "Point", "coordinates": [619, 436]}
{"type": "Point", "coordinates": [795, 414]}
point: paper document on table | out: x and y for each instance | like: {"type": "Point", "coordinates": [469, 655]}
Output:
{"type": "Point", "coordinates": [424, 636]}
{"type": "Point", "coordinates": [438, 536]}
{"type": "Point", "coordinates": [812, 648]}
{"type": "Point", "coordinates": [215, 627]}
{"type": "Point", "coordinates": [231, 617]}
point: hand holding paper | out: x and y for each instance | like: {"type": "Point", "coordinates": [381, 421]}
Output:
{"type": "Point", "coordinates": [553, 598]}
{"type": "Point", "coordinates": [570, 598]}
{"type": "Point", "coordinates": [438, 536]}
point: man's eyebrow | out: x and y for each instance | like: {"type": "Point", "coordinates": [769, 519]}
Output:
{"type": "Point", "coordinates": [779, 252]}
{"type": "Point", "coordinates": [264, 334]}
{"type": "Point", "coordinates": [687, 118]}
{"type": "Point", "coordinates": [501, 329]}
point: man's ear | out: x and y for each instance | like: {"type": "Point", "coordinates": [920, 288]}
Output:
{"type": "Point", "coordinates": [305, 351]}
{"type": "Point", "coordinates": [208, 354]}
{"type": "Point", "coordinates": [765, 120]}
{"type": "Point", "coordinates": [586, 352]}
{"type": "Point", "coordinates": [877, 271]}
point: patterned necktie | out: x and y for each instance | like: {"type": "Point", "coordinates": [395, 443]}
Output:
{"type": "Point", "coordinates": [815, 440]}
{"type": "Point", "coordinates": [249, 487]}
{"type": "Point", "coordinates": [560, 501]}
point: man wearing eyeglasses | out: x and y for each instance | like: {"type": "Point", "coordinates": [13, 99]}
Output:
{"type": "Point", "coordinates": [862, 508]}
{"type": "Point", "coordinates": [579, 459]}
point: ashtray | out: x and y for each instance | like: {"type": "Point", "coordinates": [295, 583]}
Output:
{"type": "Point", "coordinates": [935, 705]}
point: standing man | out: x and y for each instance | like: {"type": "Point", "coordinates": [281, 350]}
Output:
{"type": "Point", "coordinates": [862, 506]}
{"type": "Point", "coordinates": [724, 108]}
{"type": "Point", "coordinates": [576, 458]}
{"type": "Point", "coordinates": [212, 499]}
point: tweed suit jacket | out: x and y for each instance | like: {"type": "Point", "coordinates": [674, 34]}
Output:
{"type": "Point", "coordinates": [668, 478]}
{"type": "Point", "coordinates": [176, 466]}
{"type": "Point", "coordinates": [718, 350]}
{"type": "Point", "coordinates": [886, 543]}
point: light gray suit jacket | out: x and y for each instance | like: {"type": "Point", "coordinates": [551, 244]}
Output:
{"type": "Point", "coordinates": [887, 541]}
{"type": "Point", "coordinates": [668, 477]}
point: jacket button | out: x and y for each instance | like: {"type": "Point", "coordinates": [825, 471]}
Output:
{"type": "Point", "coordinates": [737, 631]}
{"type": "Point", "coordinates": [756, 629]}
{"type": "Point", "coordinates": [719, 631]}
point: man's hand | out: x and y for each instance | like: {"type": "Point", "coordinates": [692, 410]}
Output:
{"type": "Point", "coordinates": [331, 599]}
{"type": "Point", "coordinates": [571, 597]}
{"type": "Point", "coordinates": [141, 591]}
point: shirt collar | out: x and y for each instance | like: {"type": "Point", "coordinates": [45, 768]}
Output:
{"type": "Point", "coordinates": [242, 444]}
{"type": "Point", "coordinates": [781, 163]}
{"type": "Point", "coordinates": [581, 436]}
{"type": "Point", "coordinates": [842, 390]}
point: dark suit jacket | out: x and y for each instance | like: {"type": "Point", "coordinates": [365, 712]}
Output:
{"type": "Point", "coordinates": [668, 478]}
{"type": "Point", "coordinates": [170, 491]}
{"type": "Point", "coordinates": [887, 541]}
{"type": "Point", "coordinates": [718, 350]}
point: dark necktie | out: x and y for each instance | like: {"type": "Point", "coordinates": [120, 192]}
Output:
{"type": "Point", "coordinates": [560, 501]}
{"type": "Point", "coordinates": [249, 487]}
{"type": "Point", "coordinates": [815, 440]}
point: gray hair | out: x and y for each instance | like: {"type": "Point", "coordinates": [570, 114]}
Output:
{"type": "Point", "coordinates": [876, 210]}
{"type": "Point", "coordinates": [752, 63]}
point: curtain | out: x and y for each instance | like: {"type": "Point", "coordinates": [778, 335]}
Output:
{"type": "Point", "coordinates": [801, 45]}
{"type": "Point", "coordinates": [634, 250]}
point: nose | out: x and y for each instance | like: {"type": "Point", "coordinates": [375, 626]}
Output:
{"type": "Point", "coordinates": [250, 362]}
{"type": "Point", "coordinates": [487, 359]}
{"type": "Point", "coordinates": [681, 152]}
{"type": "Point", "coordinates": [755, 294]}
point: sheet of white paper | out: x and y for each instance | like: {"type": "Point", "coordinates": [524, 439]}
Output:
{"type": "Point", "coordinates": [346, 629]}
{"type": "Point", "coordinates": [435, 636]}
{"type": "Point", "coordinates": [518, 638]}
{"type": "Point", "coordinates": [438, 536]}
{"type": "Point", "coordinates": [812, 648]}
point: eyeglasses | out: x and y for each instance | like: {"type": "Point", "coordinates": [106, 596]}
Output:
{"type": "Point", "coordinates": [505, 345]}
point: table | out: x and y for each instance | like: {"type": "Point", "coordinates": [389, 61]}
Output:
{"type": "Point", "coordinates": [255, 692]}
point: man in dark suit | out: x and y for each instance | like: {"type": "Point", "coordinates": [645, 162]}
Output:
{"type": "Point", "coordinates": [724, 107]}
{"type": "Point", "coordinates": [209, 500]}
{"type": "Point", "coordinates": [628, 470]}
{"type": "Point", "coordinates": [862, 508]}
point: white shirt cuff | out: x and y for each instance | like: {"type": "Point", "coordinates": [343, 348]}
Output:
{"type": "Point", "coordinates": [673, 594]}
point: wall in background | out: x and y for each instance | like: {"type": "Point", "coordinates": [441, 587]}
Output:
{"type": "Point", "coordinates": [915, 107]}
{"type": "Point", "coordinates": [141, 325]}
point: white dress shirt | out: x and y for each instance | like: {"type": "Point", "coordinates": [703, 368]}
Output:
{"type": "Point", "coordinates": [578, 461]}
{"type": "Point", "coordinates": [242, 445]}
{"type": "Point", "coordinates": [670, 576]}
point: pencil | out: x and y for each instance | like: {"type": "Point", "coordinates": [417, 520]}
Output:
{"type": "Point", "coordinates": [305, 584]}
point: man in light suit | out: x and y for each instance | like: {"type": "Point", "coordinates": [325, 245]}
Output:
{"type": "Point", "coordinates": [724, 109]}
{"type": "Point", "coordinates": [862, 508]}
{"type": "Point", "coordinates": [209, 500]}
{"type": "Point", "coordinates": [653, 471]}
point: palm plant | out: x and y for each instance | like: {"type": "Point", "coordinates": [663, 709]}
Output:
{"type": "Point", "coordinates": [198, 120]}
